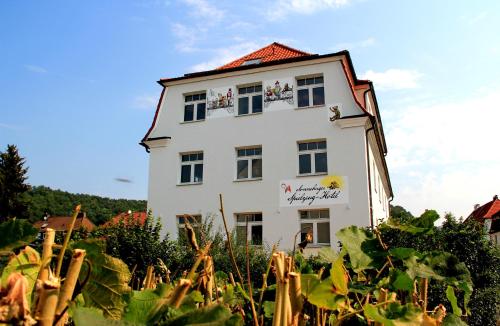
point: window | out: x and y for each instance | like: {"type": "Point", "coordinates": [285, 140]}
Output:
{"type": "Point", "coordinates": [312, 157]}
{"type": "Point", "coordinates": [249, 99]}
{"type": "Point", "coordinates": [310, 91]}
{"type": "Point", "coordinates": [192, 167]}
{"type": "Point", "coordinates": [195, 107]}
{"type": "Point", "coordinates": [317, 224]}
{"type": "Point", "coordinates": [251, 62]}
{"type": "Point", "coordinates": [254, 231]}
{"type": "Point", "coordinates": [249, 163]}
{"type": "Point", "coordinates": [194, 220]}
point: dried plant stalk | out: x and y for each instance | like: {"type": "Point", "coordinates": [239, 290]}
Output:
{"type": "Point", "coordinates": [179, 292]}
{"type": "Point", "coordinates": [71, 278]}
{"type": "Point", "coordinates": [424, 283]}
{"type": "Point", "coordinates": [47, 304]}
{"type": "Point", "coordinates": [229, 243]}
{"type": "Point", "coordinates": [149, 277]}
{"type": "Point", "coordinates": [48, 243]}
{"type": "Point", "coordinates": [208, 269]}
{"type": "Point", "coordinates": [296, 300]}
{"type": "Point", "coordinates": [199, 259]}
{"type": "Point", "coordinates": [66, 240]}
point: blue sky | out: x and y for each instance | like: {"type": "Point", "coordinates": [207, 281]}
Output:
{"type": "Point", "coordinates": [78, 90]}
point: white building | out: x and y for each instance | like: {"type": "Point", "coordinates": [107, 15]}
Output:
{"type": "Point", "coordinates": [293, 141]}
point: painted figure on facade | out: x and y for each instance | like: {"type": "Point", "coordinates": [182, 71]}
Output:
{"type": "Point", "coordinates": [276, 92]}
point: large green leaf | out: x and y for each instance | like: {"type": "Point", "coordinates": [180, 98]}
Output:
{"type": "Point", "coordinates": [453, 320]}
{"type": "Point", "coordinates": [420, 225]}
{"type": "Point", "coordinates": [403, 253]}
{"type": "Point", "coordinates": [307, 283]}
{"type": "Point", "coordinates": [450, 294]}
{"type": "Point", "coordinates": [140, 304]}
{"type": "Point", "coordinates": [216, 315]}
{"type": "Point", "coordinates": [338, 276]}
{"type": "Point", "coordinates": [395, 314]}
{"type": "Point", "coordinates": [83, 316]}
{"type": "Point", "coordinates": [28, 263]}
{"type": "Point", "coordinates": [16, 233]}
{"type": "Point", "coordinates": [362, 246]}
{"type": "Point", "coordinates": [108, 279]}
{"type": "Point", "coordinates": [323, 295]}
{"type": "Point", "coordinates": [401, 280]}
{"type": "Point", "coordinates": [269, 308]}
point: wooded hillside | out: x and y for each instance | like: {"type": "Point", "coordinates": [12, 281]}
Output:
{"type": "Point", "coordinates": [42, 199]}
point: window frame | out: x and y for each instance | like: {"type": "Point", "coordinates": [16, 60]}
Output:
{"type": "Point", "coordinates": [192, 164]}
{"type": "Point", "coordinates": [249, 159]}
{"type": "Point", "coordinates": [315, 222]}
{"type": "Point", "coordinates": [310, 88]}
{"type": "Point", "coordinates": [250, 224]}
{"type": "Point", "coordinates": [250, 95]}
{"type": "Point", "coordinates": [195, 104]}
{"type": "Point", "coordinates": [181, 226]}
{"type": "Point", "coordinates": [312, 153]}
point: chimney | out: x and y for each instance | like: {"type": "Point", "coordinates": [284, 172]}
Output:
{"type": "Point", "coordinates": [495, 197]}
{"type": "Point", "coordinates": [82, 215]}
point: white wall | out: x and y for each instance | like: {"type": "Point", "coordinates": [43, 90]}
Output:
{"type": "Point", "coordinates": [277, 132]}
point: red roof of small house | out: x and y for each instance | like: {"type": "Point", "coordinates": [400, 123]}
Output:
{"type": "Point", "coordinates": [272, 52]}
{"type": "Point", "coordinates": [62, 223]}
{"type": "Point", "coordinates": [128, 218]}
{"type": "Point", "coordinates": [486, 211]}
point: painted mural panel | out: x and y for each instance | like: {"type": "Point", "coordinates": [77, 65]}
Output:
{"type": "Point", "coordinates": [279, 94]}
{"type": "Point", "coordinates": [314, 191]}
{"type": "Point", "coordinates": [220, 102]}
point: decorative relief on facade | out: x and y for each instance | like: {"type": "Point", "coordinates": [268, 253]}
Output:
{"type": "Point", "coordinates": [334, 112]}
{"type": "Point", "coordinates": [220, 102]}
{"type": "Point", "coordinates": [314, 191]}
{"type": "Point", "coordinates": [276, 91]}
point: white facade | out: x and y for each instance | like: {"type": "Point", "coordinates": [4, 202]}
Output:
{"type": "Point", "coordinates": [353, 154]}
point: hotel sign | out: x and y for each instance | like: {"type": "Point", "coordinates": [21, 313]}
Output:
{"type": "Point", "coordinates": [314, 191]}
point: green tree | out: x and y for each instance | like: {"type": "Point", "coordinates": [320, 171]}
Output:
{"type": "Point", "coordinates": [468, 242]}
{"type": "Point", "coordinates": [13, 187]}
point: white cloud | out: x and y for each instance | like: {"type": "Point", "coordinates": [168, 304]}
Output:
{"type": "Point", "coordinates": [226, 54]}
{"type": "Point", "coordinates": [145, 102]}
{"type": "Point", "coordinates": [355, 45]}
{"type": "Point", "coordinates": [282, 8]}
{"type": "Point", "coordinates": [205, 10]}
{"type": "Point", "coordinates": [36, 69]}
{"type": "Point", "coordinates": [445, 154]}
{"type": "Point", "coordinates": [393, 79]}
{"type": "Point", "coordinates": [188, 37]}
{"type": "Point", "coordinates": [7, 126]}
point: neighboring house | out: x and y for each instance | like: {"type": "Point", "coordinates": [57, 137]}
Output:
{"type": "Point", "coordinates": [63, 223]}
{"type": "Point", "coordinates": [127, 218]}
{"type": "Point", "coordinates": [489, 216]}
{"type": "Point", "coordinates": [293, 141]}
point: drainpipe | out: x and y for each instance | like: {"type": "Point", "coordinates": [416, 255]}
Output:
{"type": "Point", "coordinates": [369, 173]}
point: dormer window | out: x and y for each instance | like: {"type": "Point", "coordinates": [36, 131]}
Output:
{"type": "Point", "coordinates": [251, 62]}
{"type": "Point", "coordinates": [310, 91]}
{"type": "Point", "coordinates": [195, 107]}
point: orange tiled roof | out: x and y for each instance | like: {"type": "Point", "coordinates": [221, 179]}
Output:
{"type": "Point", "coordinates": [126, 218]}
{"type": "Point", "coordinates": [272, 52]}
{"type": "Point", "coordinates": [487, 210]}
{"type": "Point", "coordinates": [62, 223]}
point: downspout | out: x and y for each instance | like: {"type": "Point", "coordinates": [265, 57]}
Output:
{"type": "Point", "coordinates": [369, 173]}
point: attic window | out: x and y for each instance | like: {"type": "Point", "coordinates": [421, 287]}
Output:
{"type": "Point", "coordinates": [251, 62]}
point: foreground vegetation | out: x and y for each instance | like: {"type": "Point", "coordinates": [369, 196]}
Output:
{"type": "Point", "coordinates": [128, 276]}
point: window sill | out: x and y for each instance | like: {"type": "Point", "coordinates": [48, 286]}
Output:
{"type": "Point", "coordinates": [317, 245]}
{"type": "Point", "coordinates": [312, 174]}
{"type": "Point", "coordinates": [310, 107]}
{"type": "Point", "coordinates": [188, 122]}
{"type": "Point", "coordinates": [248, 114]}
{"type": "Point", "coordinates": [189, 183]}
{"type": "Point", "coordinates": [247, 180]}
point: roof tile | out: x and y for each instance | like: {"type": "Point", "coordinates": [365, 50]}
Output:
{"type": "Point", "coordinates": [272, 52]}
